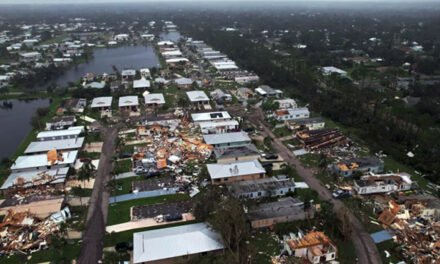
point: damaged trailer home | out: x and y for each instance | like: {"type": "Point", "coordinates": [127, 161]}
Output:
{"type": "Point", "coordinates": [320, 138]}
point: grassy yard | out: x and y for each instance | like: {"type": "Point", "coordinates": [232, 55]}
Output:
{"type": "Point", "coordinates": [364, 212]}
{"type": "Point", "coordinates": [282, 132]}
{"type": "Point", "coordinates": [123, 165]}
{"type": "Point", "coordinates": [265, 246]}
{"type": "Point", "coordinates": [120, 212]}
{"type": "Point", "coordinates": [309, 160]}
{"type": "Point", "coordinates": [124, 185]}
{"type": "Point", "coordinates": [393, 165]}
{"type": "Point", "coordinates": [393, 249]}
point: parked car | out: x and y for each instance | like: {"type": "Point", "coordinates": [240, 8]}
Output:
{"type": "Point", "coordinates": [339, 194]}
{"type": "Point", "coordinates": [140, 170]}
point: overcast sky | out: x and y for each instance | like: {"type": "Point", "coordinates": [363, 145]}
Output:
{"type": "Point", "coordinates": [121, 1]}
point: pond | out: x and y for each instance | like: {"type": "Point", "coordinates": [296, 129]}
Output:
{"type": "Point", "coordinates": [134, 57]}
{"type": "Point", "coordinates": [15, 122]}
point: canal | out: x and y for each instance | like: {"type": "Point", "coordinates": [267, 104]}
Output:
{"type": "Point", "coordinates": [15, 122]}
{"type": "Point", "coordinates": [125, 57]}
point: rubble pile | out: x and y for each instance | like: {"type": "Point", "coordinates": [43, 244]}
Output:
{"type": "Point", "coordinates": [23, 232]}
{"type": "Point", "coordinates": [415, 222]}
{"type": "Point", "coordinates": [171, 147]}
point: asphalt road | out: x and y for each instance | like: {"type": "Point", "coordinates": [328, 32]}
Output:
{"type": "Point", "coordinates": [93, 238]}
{"type": "Point", "coordinates": [366, 250]}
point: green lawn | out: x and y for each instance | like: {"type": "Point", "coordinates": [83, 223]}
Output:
{"type": "Point", "coordinates": [120, 212]}
{"type": "Point", "coordinates": [265, 246]}
{"type": "Point", "coordinates": [124, 165]}
{"type": "Point", "coordinates": [393, 249]}
{"type": "Point", "coordinates": [364, 212]}
{"type": "Point", "coordinates": [309, 160]}
{"type": "Point", "coordinates": [282, 132]}
{"type": "Point", "coordinates": [125, 185]}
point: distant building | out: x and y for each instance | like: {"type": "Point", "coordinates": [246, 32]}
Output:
{"type": "Point", "coordinates": [291, 114]}
{"type": "Point", "coordinates": [102, 103]}
{"type": "Point", "coordinates": [348, 167]}
{"type": "Point", "coordinates": [210, 117]}
{"type": "Point", "coordinates": [141, 84]}
{"type": "Point", "coordinates": [128, 103]}
{"type": "Point", "coordinates": [219, 95]}
{"type": "Point", "coordinates": [306, 123]}
{"type": "Point", "coordinates": [240, 153]}
{"type": "Point", "coordinates": [247, 79]}
{"type": "Point", "coordinates": [286, 103]}
{"type": "Point", "coordinates": [383, 183]}
{"type": "Point", "coordinates": [284, 210]}
{"type": "Point", "coordinates": [198, 98]}
{"type": "Point", "coordinates": [226, 140]}
{"type": "Point", "coordinates": [60, 122]}
{"type": "Point", "coordinates": [237, 171]}
{"type": "Point", "coordinates": [329, 70]}
{"type": "Point", "coordinates": [268, 92]}
{"type": "Point", "coordinates": [30, 56]}
{"type": "Point", "coordinates": [260, 188]}
{"type": "Point", "coordinates": [154, 99]}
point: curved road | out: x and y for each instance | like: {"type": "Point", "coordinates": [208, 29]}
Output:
{"type": "Point", "coordinates": [366, 249]}
{"type": "Point", "coordinates": [93, 238]}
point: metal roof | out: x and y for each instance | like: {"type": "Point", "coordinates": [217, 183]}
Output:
{"type": "Point", "coordinates": [62, 144]}
{"type": "Point", "coordinates": [131, 100]}
{"type": "Point", "coordinates": [167, 243]}
{"type": "Point", "coordinates": [235, 169]}
{"type": "Point", "coordinates": [34, 161]}
{"type": "Point", "coordinates": [154, 98]}
{"type": "Point", "coordinates": [71, 131]}
{"type": "Point", "coordinates": [233, 137]}
{"type": "Point", "coordinates": [105, 101]}
{"type": "Point", "coordinates": [59, 175]}
{"type": "Point", "coordinates": [210, 116]}
{"type": "Point", "coordinates": [196, 96]}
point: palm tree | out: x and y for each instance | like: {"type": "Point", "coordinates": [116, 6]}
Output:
{"type": "Point", "coordinates": [86, 171]}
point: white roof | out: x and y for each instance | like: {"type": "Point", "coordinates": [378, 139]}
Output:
{"type": "Point", "coordinates": [183, 81]}
{"type": "Point", "coordinates": [332, 69]}
{"type": "Point", "coordinates": [163, 43]}
{"type": "Point", "coordinates": [235, 169]}
{"type": "Point", "coordinates": [71, 131]}
{"type": "Point", "coordinates": [196, 96]}
{"type": "Point", "coordinates": [142, 83]}
{"type": "Point", "coordinates": [172, 53]}
{"type": "Point", "coordinates": [213, 139]}
{"type": "Point", "coordinates": [129, 72]}
{"type": "Point", "coordinates": [105, 101]}
{"type": "Point", "coordinates": [174, 242]}
{"type": "Point", "coordinates": [176, 60]}
{"type": "Point", "coordinates": [4, 77]}
{"type": "Point", "coordinates": [34, 161]}
{"type": "Point", "coordinates": [131, 100]}
{"type": "Point", "coordinates": [210, 116]}
{"type": "Point", "coordinates": [154, 98]}
{"type": "Point", "coordinates": [207, 125]}
{"type": "Point", "coordinates": [59, 175]}
{"type": "Point", "coordinates": [62, 144]}
{"type": "Point", "coordinates": [30, 54]}
{"type": "Point", "coordinates": [299, 111]}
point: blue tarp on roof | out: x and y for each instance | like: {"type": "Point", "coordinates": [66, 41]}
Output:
{"type": "Point", "coordinates": [382, 236]}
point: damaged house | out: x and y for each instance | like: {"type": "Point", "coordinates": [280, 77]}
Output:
{"type": "Point", "coordinates": [320, 138]}
{"type": "Point", "coordinates": [383, 183]}
{"type": "Point", "coordinates": [236, 171]}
